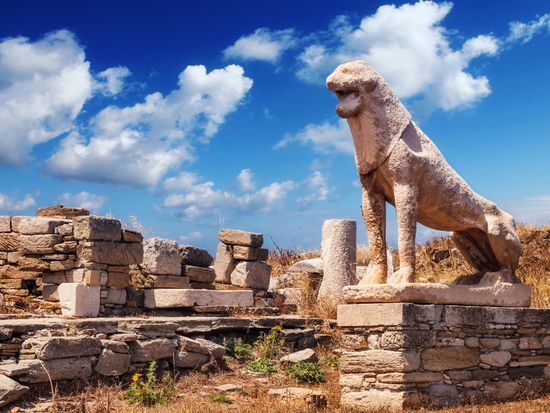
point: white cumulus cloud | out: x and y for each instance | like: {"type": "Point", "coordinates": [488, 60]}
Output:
{"type": "Point", "coordinates": [325, 138]}
{"type": "Point", "coordinates": [246, 180]}
{"type": "Point", "coordinates": [317, 185]}
{"type": "Point", "coordinates": [139, 144]}
{"type": "Point", "coordinates": [524, 32]}
{"type": "Point", "coordinates": [111, 81]}
{"type": "Point", "coordinates": [264, 44]}
{"type": "Point", "coordinates": [43, 86]}
{"type": "Point", "coordinates": [83, 199]}
{"type": "Point", "coordinates": [411, 48]}
{"type": "Point", "coordinates": [10, 204]}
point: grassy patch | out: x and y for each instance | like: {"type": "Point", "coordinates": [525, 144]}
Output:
{"type": "Point", "coordinates": [148, 390]}
{"type": "Point", "coordinates": [261, 366]}
{"type": "Point", "coordinates": [268, 346]}
{"type": "Point", "coordinates": [221, 398]}
{"type": "Point", "coordinates": [240, 350]}
{"type": "Point", "coordinates": [306, 372]}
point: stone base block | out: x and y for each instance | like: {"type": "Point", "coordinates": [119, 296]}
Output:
{"type": "Point", "coordinates": [79, 300]}
{"type": "Point", "coordinates": [397, 356]}
{"type": "Point", "coordinates": [500, 295]}
{"type": "Point", "coordinates": [179, 298]}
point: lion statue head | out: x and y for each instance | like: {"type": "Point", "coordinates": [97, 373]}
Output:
{"type": "Point", "coordinates": [375, 115]}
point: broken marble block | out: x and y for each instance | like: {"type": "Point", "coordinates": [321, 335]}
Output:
{"type": "Point", "coordinates": [79, 300]}
{"type": "Point", "coordinates": [161, 256]}
{"type": "Point", "coordinates": [199, 274]}
{"type": "Point", "coordinates": [250, 254]}
{"type": "Point", "coordinates": [251, 274]}
{"type": "Point", "coordinates": [195, 256]}
{"type": "Point", "coordinates": [94, 228]}
{"type": "Point", "coordinates": [175, 298]}
{"type": "Point", "coordinates": [237, 237]}
{"type": "Point", "coordinates": [224, 264]}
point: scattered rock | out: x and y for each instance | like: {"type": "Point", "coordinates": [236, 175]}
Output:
{"type": "Point", "coordinates": [307, 355]}
{"type": "Point", "coordinates": [252, 274]}
{"type": "Point", "coordinates": [314, 265]}
{"type": "Point", "coordinates": [10, 390]}
{"type": "Point", "coordinates": [229, 387]}
{"type": "Point", "coordinates": [310, 396]}
{"type": "Point", "coordinates": [161, 256]}
{"type": "Point", "coordinates": [111, 363]}
{"type": "Point", "coordinates": [195, 256]}
{"type": "Point", "coordinates": [237, 237]}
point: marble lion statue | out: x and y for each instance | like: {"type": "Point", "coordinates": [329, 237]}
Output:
{"type": "Point", "coordinates": [399, 164]}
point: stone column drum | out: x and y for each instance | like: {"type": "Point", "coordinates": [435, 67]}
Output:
{"type": "Point", "coordinates": [338, 249]}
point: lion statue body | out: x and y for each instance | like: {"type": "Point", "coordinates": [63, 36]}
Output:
{"type": "Point", "coordinates": [399, 164]}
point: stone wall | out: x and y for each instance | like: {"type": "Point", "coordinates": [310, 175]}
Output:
{"type": "Point", "coordinates": [36, 350]}
{"type": "Point", "coordinates": [66, 246]}
{"type": "Point", "coordinates": [400, 355]}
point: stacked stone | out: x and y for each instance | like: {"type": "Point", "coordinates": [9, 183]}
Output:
{"type": "Point", "coordinates": [36, 254]}
{"type": "Point", "coordinates": [399, 355]}
{"type": "Point", "coordinates": [240, 260]}
{"type": "Point", "coordinates": [104, 254]}
{"type": "Point", "coordinates": [50, 349]}
{"type": "Point", "coordinates": [161, 266]}
{"type": "Point", "coordinates": [195, 264]}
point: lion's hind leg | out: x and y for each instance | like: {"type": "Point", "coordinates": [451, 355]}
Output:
{"type": "Point", "coordinates": [475, 247]}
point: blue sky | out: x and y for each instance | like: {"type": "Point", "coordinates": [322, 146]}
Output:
{"type": "Point", "coordinates": [177, 117]}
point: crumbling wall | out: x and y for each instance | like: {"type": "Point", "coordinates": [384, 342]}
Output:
{"type": "Point", "coordinates": [65, 245]}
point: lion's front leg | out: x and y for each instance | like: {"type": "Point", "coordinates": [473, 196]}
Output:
{"type": "Point", "coordinates": [374, 213]}
{"type": "Point", "coordinates": [406, 204]}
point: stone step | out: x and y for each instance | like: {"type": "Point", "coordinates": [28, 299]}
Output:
{"type": "Point", "coordinates": [498, 295]}
{"type": "Point", "coordinates": [179, 298]}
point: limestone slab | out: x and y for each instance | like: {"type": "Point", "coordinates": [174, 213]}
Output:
{"type": "Point", "coordinates": [79, 300]}
{"type": "Point", "coordinates": [5, 224]}
{"type": "Point", "coordinates": [195, 256]}
{"type": "Point", "coordinates": [499, 295]}
{"type": "Point", "coordinates": [177, 298]}
{"type": "Point", "coordinates": [449, 358]}
{"type": "Point", "coordinates": [39, 244]}
{"type": "Point", "coordinates": [50, 348]}
{"type": "Point", "coordinates": [380, 361]}
{"type": "Point", "coordinates": [40, 225]}
{"type": "Point", "coordinates": [94, 228]}
{"type": "Point", "coordinates": [167, 281]}
{"type": "Point", "coordinates": [238, 237]}
{"type": "Point", "coordinates": [10, 390]}
{"type": "Point", "coordinates": [131, 236]}
{"type": "Point", "coordinates": [59, 369]}
{"type": "Point", "coordinates": [249, 253]}
{"type": "Point", "coordinates": [112, 253]}
{"type": "Point", "coordinates": [224, 264]}
{"type": "Point", "coordinates": [161, 256]}
{"type": "Point", "coordinates": [110, 363]}
{"type": "Point", "coordinates": [199, 274]}
{"type": "Point", "coordinates": [251, 274]}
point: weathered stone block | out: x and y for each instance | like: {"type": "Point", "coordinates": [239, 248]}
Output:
{"type": "Point", "coordinates": [39, 244]}
{"type": "Point", "coordinates": [9, 241]}
{"type": "Point", "coordinates": [143, 351]}
{"type": "Point", "coordinates": [161, 256]}
{"type": "Point", "coordinates": [59, 211]}
{"type": "Point", "coordinates": [176, 298]}
{"type": "Point", "coordinates": [55, 266]}
{"type": "Point", "coordinates": [94, 228]}
{"type": "Point", "coordinates": [5, 224]}
{"type": "Point", "coordinates": [60, 369]}
{"type": "Point", "coordinates": [195, 256]}
{"type": "Point", "coordinates": [449, 358]}
{"type": "Point", "coordinates": [49, 292]}
{"type": "Point", "coordinates": [199, 274]}
{"type": "Point", "coordinates": [306, 355]}
{"type": "Point", "coordinates": [413, 377]}
{"type": "Point", "coordinates": [50, 348]}
{"type": "Point", "coordinates": [370, 315]}
{"type": "Point", "coordinates": [131, 236]}
{"type": "Point", "coordinates": [167, 281]}
{"type": "Point", "coordinates": [496, 358]}
{"type": "Point", "coordinates": [110, 363]}
{"type": "Point", "coordinates": [79, 300]}
{"type": "Point", "coordinates": [249, 253]}
{"type": "Point", "coordinates": [251, 274]}
{"type": "Point", "coordinates": [66, 247]}
{"type": "Point", "coordinates": [380, 361]}
{"type": "Point", "coordinates": [112, 253]}
{"type": "Point", "coordinates": [116, 296]}
{"type": "Point", "coordinates": [501, 391]}
{"type": "Point", "coordinates": [10, 390]}
{"type": "Point", "coordinates": [40, 225]}
{"type": "Point", "coordinates": [224, 264]}
{"type": "Point", "coordinates": [237, 237]}
{"type": "Point", "coordinates": [118, 280]}
{"type": "Point", "coordinates": [188, 360]}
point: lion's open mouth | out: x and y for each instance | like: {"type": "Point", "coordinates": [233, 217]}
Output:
{"type": "Point", "coordinates": [344, 93]}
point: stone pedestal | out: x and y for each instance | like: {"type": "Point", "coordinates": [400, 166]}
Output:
{"type": "Point", "coordinates": [405, 355]}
